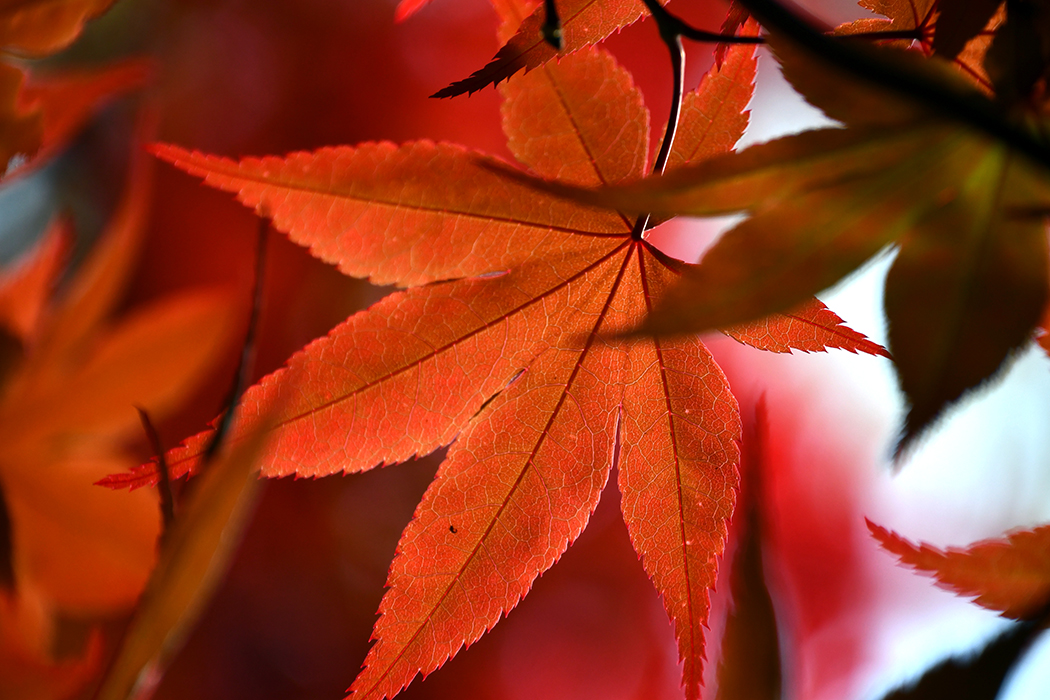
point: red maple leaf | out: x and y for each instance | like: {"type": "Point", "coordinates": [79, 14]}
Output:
{"type": "Point", "coordinates": [508, 344]}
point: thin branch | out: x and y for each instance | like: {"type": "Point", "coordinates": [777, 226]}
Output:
{"type": "Point", "coordinates": [673, 42]}
{"type": "Point", "coordinates": [167, 498]}
{"type": "Point", "coordinates": [244, 366]}
{"type": "Point", "coordinates": [670, 25]}
{"type": "Point", "coordinates": [552, 25]}
{"type": "Point", "coordinates": [972, 111]}
{"type": "Point", "coordinates": [670, 32]}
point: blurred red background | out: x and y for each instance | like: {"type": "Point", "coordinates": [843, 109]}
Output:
{"type": "Point", "coordinates": [293, 618]}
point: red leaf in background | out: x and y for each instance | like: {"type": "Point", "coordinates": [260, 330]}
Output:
{"type": "Point", "coordinates": [42, 114]}
{"type": "Point", "coordinates": [66, 415]}
{"type": "Point", "coordinates": [407, 8]}
{"type": "Point", "coordinates": [67, 100]}
{"type": "Point", "coordinates": [1010, 575]}
{"type": "Point", "coordinates": [26, 289]}
{"type": "Point", "coordinates": [921, 16]}
{"type": "Point", "coordinates": [20, 132]}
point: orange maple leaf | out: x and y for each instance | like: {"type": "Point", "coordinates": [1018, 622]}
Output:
{"type": "Point", "coordinates": [507, 343]}
{"type": "Point", "coordinates": [1010, 575]}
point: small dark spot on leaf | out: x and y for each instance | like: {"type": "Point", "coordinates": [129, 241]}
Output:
{"type": "Point", "coordinates": [452, 529]}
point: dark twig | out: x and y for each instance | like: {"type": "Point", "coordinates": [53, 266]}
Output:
{"type": "Point", "coordinates": [552, 25]}
{"type": "Point", "coordinates": [670, 28]}
{"type": "Point", "coordinates": [167, 498]}
{"type": "Point", "coordinates": [670, 25]}
{"type": "Point", "coordinates": [244, 366]}
{"type": "Point", "coordinates": [972, 111]}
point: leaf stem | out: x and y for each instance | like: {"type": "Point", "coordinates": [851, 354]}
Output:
{"type": "Point", "coordinates": [671, 33]}
{"type": "Point", "coordinates": [670, 25]}
{"type": "Point", "coordinates": [247, 359]}
{"type": "Point", "coordinates": [973, 111]}
{"type": "Point", "coordinates": [167, 498]}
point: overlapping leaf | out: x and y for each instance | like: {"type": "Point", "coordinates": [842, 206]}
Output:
{"type": "Point", "coordinates": [518, 357]}
{"type": "Point", "coordinates": [970, 280]}
{"type": "Point", "coordinates": [584, 22]}
{"type": "Point", "coordinates": [959, 31]}
{"type": "Point", "coordinates": [1010, 575]}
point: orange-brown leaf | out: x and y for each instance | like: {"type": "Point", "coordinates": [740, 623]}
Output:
{"type": "Point", "coordinates": [41, 27]}
{"type": "Point", "coordinates": [551, 122]}
{"type": "Point", "coordinates": [584, 22]}
{"type": "Point", "coordinates": [1010, 575]}
{"type": "Point", "coordinates": [196, 553]}
{"type": "Point", "coordinates": [678, 471]}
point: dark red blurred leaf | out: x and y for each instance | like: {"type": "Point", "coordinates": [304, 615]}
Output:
{"type": "Point", "coordinates": [26, 289]}
{"type": "Point", "coordinates": [66, 100]}
{"type": "Point", "coordinates": [750, 662]}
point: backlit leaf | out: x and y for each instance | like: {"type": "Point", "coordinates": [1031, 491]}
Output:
{"type": "Point", "coordinates": [1010, 575]}
{"type": "Point", "coordinates": [810, 327]}
{"type": "Point", "coordinates": [584, 22]}
{"type": "Point", "coordinates": [966, 290]}
{"type": "Point", "coordinates": [520, 359]}
{"type": "Point", "coordinates": [714, 118]}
